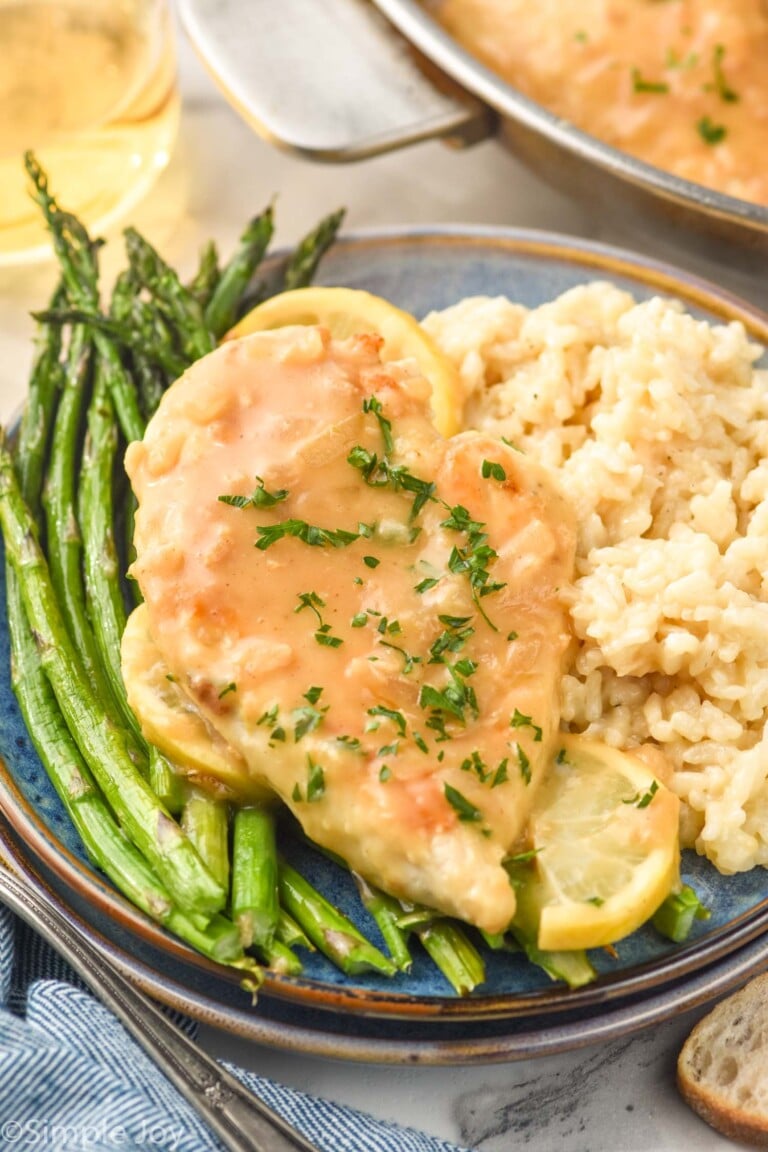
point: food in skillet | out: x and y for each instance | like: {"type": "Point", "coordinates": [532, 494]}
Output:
{"type": "Point", "coordinates": [681, 85]}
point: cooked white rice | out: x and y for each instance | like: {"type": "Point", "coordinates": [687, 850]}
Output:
{"type": "Point", "coordinates": [657, 426]}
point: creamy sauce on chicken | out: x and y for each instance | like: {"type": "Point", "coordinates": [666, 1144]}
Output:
{"type": "Point", "coordinates": [682, 84]}
{"type": "Point", "coordinates": [370, 617]}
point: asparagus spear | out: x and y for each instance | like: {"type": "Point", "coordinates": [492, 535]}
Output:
{"type": "Point", "coordinates": [207, 276]}
{"type": "Point", "coordinates": [104, 600]}
{"type": "Point", "coordinates": [303, 262]}
{"type": "Point", "coordinates": [221, 310]}
{"type": "Point", "coordinates": [328, 929]}
{"type": "Point", "coordinates": [386, 911]}
{"type": "Point", "coordinates": [103, 746]}
{"type": "Point", "coordinates": [77, 258]}
{"type": "Point", "coordinates": [290, 933]}
{"type": "Point", "coordinates": [206, 821]}
{"type": "Point", "coordinates": [170, 295]}
{"type": "Point", "coordinates": [105, 844]}
{"type": "Point", "coordinates": [59, 498]}
{"type": "Point", "coordinates": [454, 954]}
{"type": "Point", "coordinates": [254, 898]}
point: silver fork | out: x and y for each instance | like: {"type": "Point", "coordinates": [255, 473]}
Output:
{"type": "Point", "coordinates": [241, 1121]}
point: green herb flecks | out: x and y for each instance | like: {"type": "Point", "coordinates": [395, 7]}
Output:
{"type": "Point", "coordinates": [315, 781]}
{"type": "Point", "coordinates": [656, 87]}
{"type": "Point", "coordinates": [524, 764]}
{"type": "Point", "coordinates": [464, 809]}
{"type": "Point", "coordinates": [307, 718]}
{"type": "Point", "coordinates": [452, 639]}
{"type": "Point", "coordinates": [259, 498]}
{"type": "Point", "coordinates": [311, 534]}
{"type": "Point", "coordinates": [519, 720]}
{"type": "Point", "coordinates": [473, 559]}
{"type": "Point", "coordinates": [392, 714]}
{"type": "Point", "coordinates": [372, 404]}
{"type": "Point", "coordinates": [492, 470]}
{"type": "Point", "coordinates": [720, 84]}
{"type": "Point", "coordinates": [323, 635]}
{"type": "Point", "coordinates": [710, 132]}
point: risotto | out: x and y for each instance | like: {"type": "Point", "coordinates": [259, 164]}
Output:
{"type": "Point", "coordinates": [657, 426]}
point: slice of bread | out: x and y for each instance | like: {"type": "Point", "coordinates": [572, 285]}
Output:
{"type": "Point", "coordinates": [722, 1071]}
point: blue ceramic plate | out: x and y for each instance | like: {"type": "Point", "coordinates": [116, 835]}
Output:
{"type": "Point", "coordinates": [517, 1010]}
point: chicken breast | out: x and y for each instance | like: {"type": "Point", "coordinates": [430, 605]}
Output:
{"type": "Point", "coordinates": [366, 612]}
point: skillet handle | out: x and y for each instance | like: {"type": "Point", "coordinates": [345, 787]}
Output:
{"type": "Point", "coordinates": [332, 81]}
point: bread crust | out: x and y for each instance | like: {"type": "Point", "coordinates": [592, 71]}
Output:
{"type": "Point", "coordinates": [722, 1069]}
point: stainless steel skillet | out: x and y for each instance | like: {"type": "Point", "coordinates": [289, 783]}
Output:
{"type": "Point", "coordinates": [343, 80]}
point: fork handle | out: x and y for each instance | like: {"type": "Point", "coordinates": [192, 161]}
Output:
{"type": "Point", "coordinates": [241, 1121]}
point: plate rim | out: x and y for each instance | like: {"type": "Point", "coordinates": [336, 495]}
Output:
{"type": "Point", "coordinates": [538, 245]}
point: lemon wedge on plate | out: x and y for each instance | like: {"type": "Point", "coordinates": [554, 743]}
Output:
{"type": "Point", "coordinates": [604, 832]}
{"type": "Point", "coordinates": [171, 722]}
{"type": "Point", "coordinates": [351, 312]}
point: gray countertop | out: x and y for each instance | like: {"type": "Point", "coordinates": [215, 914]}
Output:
{"type": "Point", "coordinates": [614, 1098]}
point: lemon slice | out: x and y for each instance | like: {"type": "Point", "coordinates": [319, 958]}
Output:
{"type": "Point", "coordinates": [605, 833]}
{"type": "Point", "coordinates": [170, 721]}
{"type": "Point", "coordinates": [351, 312]}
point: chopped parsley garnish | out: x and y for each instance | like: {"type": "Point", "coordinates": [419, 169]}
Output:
{"type": "Point", "coordinates": [463, 808]}
{"type": "Point", "coordinates": [473, 559]}
{"type": "Point", "coordinates": [310, 533]}
{"type": "Point", "coordinates": [452, 639]}
{"type": "Point", "coordinates": [269, 717]}
{"type": "Point", "coordinates": [511, 444]}
{"type": "Point", "coordinates": [315, 781]}
{"type": "Point", "coordinates": [380, 472]}
{"type": "Point", "coordinates": [562, 757]}
{"type": "Point", "coordinates": [420, 743]}
{"type": "Point", "coordinates": [371, 561]}
{"type": "Point", "coordinates": [323, 635]}
{"type": "Point", "coordinates": [312, 695]}
{"type": "Point", "coordinates": [426, 584]}
{"type": "Point", "coordinates": [359, 620]}
{"type": "Point", "coordinates": [710, 132]}
{"type": "Point", "coordinates": [408, 659]}
{"type": "Point", "coordinates": [392, 714]}
{"type": "Point", "coordinates": [312, 601]}
{"type": "Point", "coordinates": [524, 764]}
{"type": "Point", "coordinates": [350, 742]}
{"type": "Point", "coordinates": [500, 775]}
{"type": "Point", "coordinates": [452, 700]}
{"type": "Point", "coordinates": [596, 900]}
{"type": "Point", "coordinates": [389, 749]}
{"type": "Point", "coordinates": [511, 636]}
{"type": "Point", "coordinates": [492, 470]}
{"type": "Point", "coordinates": [259, 498]}
{"type": "Point", "coordinates": [385, 773]}
{"type": "Point", "coordinates": [720, 84]}
{"type": "Point", "coordinates": [374, 405]}
{"type": "Point", "coordinates": [231, 687]}
{"type": "Point", "coordinates": [306, 719]}
{"type": "Point", "coordinates": [646, 798]}
{"type": "Point", "coordinates": [518, 720]}
{"type": "Point", "coordinates": [477, 765]}
{"type": "Point", "coordinates": [659, 87]}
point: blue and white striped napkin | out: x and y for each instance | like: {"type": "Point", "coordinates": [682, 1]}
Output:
{"type": "Point", "coordinates": [72, 1079]}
